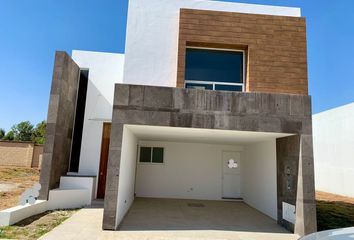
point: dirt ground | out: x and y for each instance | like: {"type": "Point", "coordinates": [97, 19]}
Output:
{"type": "Point", "coordinates": [334, 211]}
{"type": "Point", "coordinates": [13, 182]}
{"type": "Point", "coordinates": [35, 226]}
{"type": "Point", "coordinates": [328, 197]}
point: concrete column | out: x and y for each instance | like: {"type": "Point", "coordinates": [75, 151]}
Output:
{"type": "Point", "coordinates": [287, 172]}
{"type": "Point", "coordinates": [111, 194]}
{"type": "Point", "coordinates": [305, 197]}
{"type": "Point", "coordinates": [295, 182]}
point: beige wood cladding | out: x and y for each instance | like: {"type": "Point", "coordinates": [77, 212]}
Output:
{"type": "Point", "coordinates": [20, 154]}
{"type": "Point", "coordinates": [275, 46]}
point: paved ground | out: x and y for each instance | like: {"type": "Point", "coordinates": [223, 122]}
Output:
{"type": "Point", "coordinates": [157, 219]}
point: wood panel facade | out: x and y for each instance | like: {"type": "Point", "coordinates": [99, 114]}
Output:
{"type": "Point", "coordinates": [275, 46]}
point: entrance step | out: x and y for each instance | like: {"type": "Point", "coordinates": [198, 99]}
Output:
{"type": "Point", "coordinates": [75, 191]}
{"type": "Point", "coordinates": [79, 182]}
{"type": "Point", "coordinates": [97, 203]}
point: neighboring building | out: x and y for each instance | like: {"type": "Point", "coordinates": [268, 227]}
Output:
{"type": "Point", "coordinates": [210, 101]}
{"type": "Point", "coordinates": [333, 146]}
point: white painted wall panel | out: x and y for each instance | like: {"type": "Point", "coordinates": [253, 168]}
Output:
{"type": "Point", "coordinates": [13, 215]}
{"type": "Point", "coordinates": [105, 69]}
{"type": "Point", "coordinates": [89, 183]}
{"type": "Point", "coordinates": [259, 177]}
{"type": "Point", "coordinates": [333, 145]}
{"type": "Point", "coordinates": [126, 174]}
{"type": "Point", "coordinates": [190, 171]}
{"type": "Point", "coordinates": [68, 198]}
{"type": "Point", "coordinates": [152, 35]}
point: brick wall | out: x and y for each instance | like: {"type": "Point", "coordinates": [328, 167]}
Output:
{"type": "Point", "coordinates": [275, 46]}
{"type": "Point", "coordinates": [19, 154]}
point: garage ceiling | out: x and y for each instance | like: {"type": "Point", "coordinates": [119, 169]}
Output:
{"type": "Point", "coordinates": [157, 133]}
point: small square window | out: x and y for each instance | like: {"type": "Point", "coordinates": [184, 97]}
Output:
{"type": "Point", "coordinates": [151, 155]}
{"type": "Point", "coordinates": [145, 154]}
{"type": "Point", "coordinates": [157, 155]}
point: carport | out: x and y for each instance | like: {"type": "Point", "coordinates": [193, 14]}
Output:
{"type": "Point", "coordinates": [185, 134]}
{"type": "Point", "coordinates": [207, 179]}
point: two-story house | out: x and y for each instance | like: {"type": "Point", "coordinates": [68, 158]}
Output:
{"type": "Point", "coordinates": [208, 102]}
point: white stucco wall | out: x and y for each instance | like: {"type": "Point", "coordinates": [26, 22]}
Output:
{"type": "Point", "coordinates": [333, 145]}
{"type": "Point", "coordinates": [126, 174]}
{"type": "Point", "coordinates": [15, 214]}
{"type": "Point", "coordinates": [152, 35]}
{"type": "Point", "coordinates": [190, 171]}
{"type": "Point", "coordinates": [201, 169]}
{"type": "Point", "coordinates": [72, 182]}
{"type": "Point", "coordinates": [105, 69]}
{"type": "Point", "coordinates": [259, 177]}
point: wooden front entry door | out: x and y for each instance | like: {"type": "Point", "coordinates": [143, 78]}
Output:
{"type": "Point", "coordinates": [104, 160]}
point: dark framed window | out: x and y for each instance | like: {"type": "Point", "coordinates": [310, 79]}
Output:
{"type": "Point", "coordinates": [214, 69]}
{"type": "Point", "coordinates": [145, 154]}
{"type": "Point", "coordinates": [151, 155]}
{"type": "Point", "coordinates": [199, 86]}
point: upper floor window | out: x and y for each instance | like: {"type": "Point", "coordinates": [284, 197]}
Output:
{"type": "Point", "coordinates": [214, 69]}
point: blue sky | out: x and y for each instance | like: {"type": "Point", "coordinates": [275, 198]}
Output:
{"type": "Point", "coordinates": [31, 31]}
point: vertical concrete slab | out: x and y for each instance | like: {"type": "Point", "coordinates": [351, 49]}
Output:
{"type": "Point", "coordinates": [295, 182]}
{"type": "Point", "coordinates": [60, 121]}
{"type": "Point", "coordinates": [305, 199]}
{"type": "Point", "coordinates": [121, 98]}
{"type": "Point", "coordinates": [287, 172]}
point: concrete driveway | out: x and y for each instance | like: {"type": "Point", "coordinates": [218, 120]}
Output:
{"type": "Point", "coordinates": [157, 219]}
